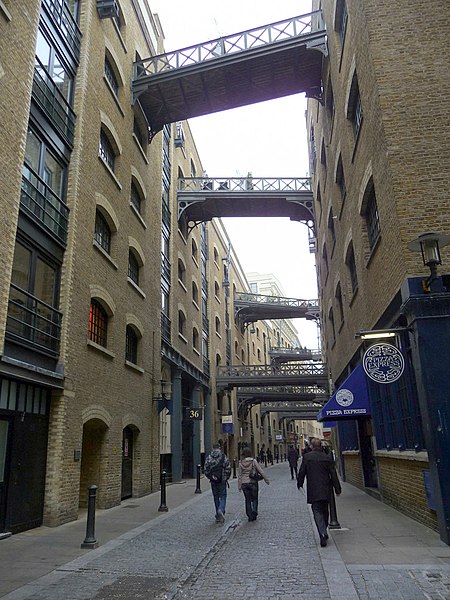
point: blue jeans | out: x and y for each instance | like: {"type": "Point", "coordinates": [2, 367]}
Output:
{"type": "Point", "coordinates": [219, 491]}
{"type": "Point", "coordinates": [251, 499]}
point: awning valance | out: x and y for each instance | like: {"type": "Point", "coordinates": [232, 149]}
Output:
{"type": "Point", "coordinates": [350, 400]}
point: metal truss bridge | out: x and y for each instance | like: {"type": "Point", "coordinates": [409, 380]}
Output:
{"type": "Point", "coordinates": [281, 354]}
{"type": "Point", "coordinates": [255, 307]}
{"type": "Point", "coordinates": [312, 374]}
{"type": "Point", "coordinates": [271, 61]}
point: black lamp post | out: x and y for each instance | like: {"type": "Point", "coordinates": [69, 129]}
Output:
{"type": "Point", "coordinates": [429, 245]}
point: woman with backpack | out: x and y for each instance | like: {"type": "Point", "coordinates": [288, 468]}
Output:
{"type": "Point", "coordinates": [218, 471]}
{"type": "Point", "coordinates": [249, 473]}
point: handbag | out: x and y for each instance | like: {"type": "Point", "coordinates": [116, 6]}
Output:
{"type": "Point", "coordinates": [254, 474]}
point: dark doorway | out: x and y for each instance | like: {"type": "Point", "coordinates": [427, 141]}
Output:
{"type": "Point", "coordinates": [367, 454]}
{"type": "Point", "coordinates": [127, 463]}
{"type": "Point", "coordinates": [4, 447]}
{"type": "Point", "coordinates": [187, 449]}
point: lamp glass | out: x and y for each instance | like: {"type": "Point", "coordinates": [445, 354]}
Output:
{"type": "Point", "coordinates": [430, 252]}
{"type": "Point", "coordinates": [379, 335]}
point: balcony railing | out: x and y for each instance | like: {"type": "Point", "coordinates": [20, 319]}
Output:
{"type": "Point", "coordinates": [32, 321]}
{"type": "Point", "coordinates": [52, 102]}
{"type": "Point", "coordinates": [165, 328]}
{"type": "Point", "coordinates": [283, 370]}
{"type": "Point", "coordinates": [60, 12]}
{"type": "Point", "coordinates": [244, 184]}
{"type": "Point", "coordinates": [165, 268]}
{"type": "Point", "coordinates": [39, 200]}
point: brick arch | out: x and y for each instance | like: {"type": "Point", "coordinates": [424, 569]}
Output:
{"type": "Point", "coordinates": [95, 411]}
{"type": "Point", "coordinates": [133, 421]}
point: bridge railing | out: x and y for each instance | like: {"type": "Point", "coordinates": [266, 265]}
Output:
{"type": "Point", "coordinates": [302, 25]}
{"type": "Point", "coordinates": [288, 390]}
{"type": "Point", "coordinates": [244, 297]}
{"type": "Point", "coordinates": [244, 184]}
{"type": "Point", "coordinates": [283, 370]}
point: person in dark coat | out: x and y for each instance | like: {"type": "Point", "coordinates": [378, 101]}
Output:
{"type": "Point", "coordinates": [320, 472]}
{"type": "Point", "coordinates": [293, 460]}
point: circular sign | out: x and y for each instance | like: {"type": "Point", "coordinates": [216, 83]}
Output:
{"type": "Point", "coordinates": [384, 363]}
{"type": "Point", "coordinates": [344, 397]}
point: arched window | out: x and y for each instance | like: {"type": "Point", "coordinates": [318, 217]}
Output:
{"type": "Point", "coordinates": [216, 289]}
{"type": "Point", "coordinates": [195, 338]}
{"type": "Point", "coordinates": [181, 323]}
{"type": "Point", "coordinates": [194, 292]}
{"type": "Point", "coordinates": [131, 350]}
{"type": "Point", "coordinates": [133, 267]}
{"type": "Point", "coordinates": [98, 323]}
{"type": "Point", "coordinates": [136, 197]}
{"type": "Point", "coordinates": [217, 325]}
{"type": "Point", "coordinates": [181, 271]}
{"type": "Point", "coordinates": [111, 76]}
{"type": "Point", "coordinates": [194, 250]}
{"type": "Point", "coordinates": [106, 150]}
{"type": "Point", "coordinates": [102, 234]}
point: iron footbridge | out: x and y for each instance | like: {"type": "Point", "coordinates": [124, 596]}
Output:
{"type": "Point", "coordinates": [231, 376]}
{"type": "Point", "coordinates": [255, 307]}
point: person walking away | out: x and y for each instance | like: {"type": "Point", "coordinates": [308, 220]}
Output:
{"type": "Point", "coordinates": [320, 472]}
{"type": "Point", "coordinates": [248, 466]}
{"type": "Point", "coordinates": [293, 460]}
{"type": "Point", "coordinates": [218, 471]}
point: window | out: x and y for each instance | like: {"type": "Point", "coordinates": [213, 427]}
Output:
{"type": "Point", "coordinates": [195, 338]}
{"type": "Point", "coordinates": [40, 160]}
{"type": "Point", "coordinates": [339, 303]}
{"type": "Point", "coordinates": [111, 77]}
{"type": "Point", "coordinates": [216, 256]}
{"type": "Point", "coordinates": [340, 179]}
{"type": "Point", "coordinates": [131, 350]}
{"type": "Point", "coordinates": [181, 271]}
{"type": "Point", "coordinates": [325, 261]}
{"type": "Point", "coordinates": [194, 292]}
{"type": "Point", "coordinates": [236, 348]}
{"type": "Point", "coordinates": [194, 250]}
{"type": "Point", "coordinates": [351, 264]}
{"type": "Point", "coordinates": [331, 228]}
{"type": "Point", "coordinates": [50, 68]}
{"type": "Point", "coordinates": [217, 325]}
{"type": "Point", "coordinates": [98, 323]}
{"type": "Point", "coordinates": [135, 197]}
{"type": "Point", "coordinates": [323, 155]}
{"type": "Point", "coordinates": [354, 112]}
{"type": "Point", "coordinates": [216, 290]}
{"type": "Point", "coordinates": [102, 234]}
{"type": "Point", "coordinates": [106, 150]}
{"type": "Point", "coordinates": [181, 323]}
{"type": "Point", "coordinates": [133, 267]}
{"type": "Point", "coordinates": [329, 103]}
{"type": "Point", "coordinates": [259, 354]}
{"type": "Point", "coordinates": [371, 215]}
{"type": "Point", "coordinates": [312, 150]}
{"type": "Point", "coordinates": [341, 19]}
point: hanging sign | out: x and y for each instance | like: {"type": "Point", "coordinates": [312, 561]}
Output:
{"type": "Point", "coordinates": [383, 363]}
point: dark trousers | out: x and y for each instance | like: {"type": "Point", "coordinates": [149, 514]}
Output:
{"type": "Point", "coordinates": [251, 499]}
{"type": "Point", "coordinates": [321, 516]}
{"type": "Point", "coordinates": [293, 471]}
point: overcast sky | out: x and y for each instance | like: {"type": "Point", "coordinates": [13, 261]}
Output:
{"type": "Point", "coordinates": [267, 139]}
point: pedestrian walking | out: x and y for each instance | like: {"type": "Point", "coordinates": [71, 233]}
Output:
{"type": "Point", "coordinates": [320, 472]}
{"type": "Point", "coordinates": [293, 461]}
{"type": "Point", "coordinates": [218, 471]}
{"type": "Point", "coordinates": [249, 473]}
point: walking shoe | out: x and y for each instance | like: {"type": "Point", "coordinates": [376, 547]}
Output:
{"type": "Point", "coordinates": [220, 517]}
{"type": "Point", "coordinates": [323, 541]}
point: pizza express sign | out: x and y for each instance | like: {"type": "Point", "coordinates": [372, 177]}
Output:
{"type": "Point", "coordinates": [384, 363]}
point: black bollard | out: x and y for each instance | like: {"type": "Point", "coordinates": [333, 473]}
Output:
{"type": "Point", "coordinates": [265, 461]}
{"type": "Point", "coordinates": [163, 505]}
{"type": "Point", "coordinates": [90, 540]}
{"type": "Point", "coordinates": [198, 489]}
{"type": "Point", "coordinates": [334, 523]}
{"type": "Point", "coordinates": [277, 458]}
{"type": "Point", "coordinates": [234, 468]}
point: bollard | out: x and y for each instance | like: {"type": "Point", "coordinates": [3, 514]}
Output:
{"type": "Point", "coordinates": [198, 489]}
{"type": "Point", "coordinates": [90, 540]}
{"type": "Point", "coordinates": [277, 458]}
{"type": "Point", "coordinates": [265, 460]}
{"type": "Point", "coordinates": [163, 505]}
{"type": "Point", "coordinates": [334, 523]}
{"type": "Point", "coordinates": [234, 468]}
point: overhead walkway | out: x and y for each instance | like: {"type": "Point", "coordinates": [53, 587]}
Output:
{"type": "Point", "coordinates": [259, 64]}
{"type": "Point", "coordinates": [296, 402]}
{"type": "Point", "coordinates": [281, 355]}
{"type": "Point", "coordinates": [231, 376]}
{"type": "Point", "coordinates": [203, 198]}
{"type": "Point", "coordinates": [255, 307]}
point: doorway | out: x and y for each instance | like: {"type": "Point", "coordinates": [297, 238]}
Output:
{"type": "Point", "coordinates": [127, 463]}
{"type": "Point", "coordinates": [369, 464]}
{"type": "Point", "coordinates": [4, 435]}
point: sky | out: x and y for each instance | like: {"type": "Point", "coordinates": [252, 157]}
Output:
{"type": "Point", "coordinates": [267, 139]}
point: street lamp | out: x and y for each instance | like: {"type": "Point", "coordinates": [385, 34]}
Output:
{"type": "Point", "coordinates": [429, 244]}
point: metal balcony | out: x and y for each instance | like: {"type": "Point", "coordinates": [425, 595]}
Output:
{"type": "Point", "coordinates": [279, 355]}
{"type": "Point", "coordinates": [259, 64]}
{"type": "Point", "coordinates": [231, 376]}
{"type": "Point", "coordinates": [33, 322]}
{"type": "Point", "coordinates": [254, 307]}
{"type": "Point", "coordinates": [201, 199]}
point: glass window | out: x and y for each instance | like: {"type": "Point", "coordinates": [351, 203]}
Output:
{"type": "Point", "coordinates": [371, 216]}
{"type": "Point", "coordinates": [102, 233]}
{"type": "Point", "coordinates": [131, 350]}
{"type": "Point", "coordinates": [111, 76]}
{"type": "Point", "coordinates": [106, 150]}
{"type": "Point", "coordinates": [133, 267]}
{"type": "Point", "coordinates": [98, 324]}
{"type": "Point", "coordinates": [352, 269]}
{"type": "Point", "coordinates": [49, 66]}
{"type": "Point", "coordinates": [135, 197]}
{"type": "Point", "coordinates": [39, 158]}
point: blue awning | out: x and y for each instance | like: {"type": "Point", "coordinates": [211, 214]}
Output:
{"type": "Point", "coordinates": [350, 400]}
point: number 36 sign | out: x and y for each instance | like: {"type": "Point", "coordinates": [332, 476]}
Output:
{"type": "Point", "coordinates": [194, 414]}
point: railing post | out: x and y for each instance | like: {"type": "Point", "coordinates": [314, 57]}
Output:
{"type": "Point", "coordinates": [198, 489]}
{"type": "Point", "coordinates": [234, 468]}
{"type": "Point", "coordinates": [90, 539]}
{"type": "Point", "coordinates": [163, 505]}
{"type": "Point", "coordinates": [334, 523]}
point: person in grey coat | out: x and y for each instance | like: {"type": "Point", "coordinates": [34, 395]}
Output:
{"type": "Point", "coordinates": [320, 472]}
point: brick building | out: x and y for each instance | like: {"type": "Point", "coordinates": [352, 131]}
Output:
{"type": "Point", "coordinates": [378, 148]}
